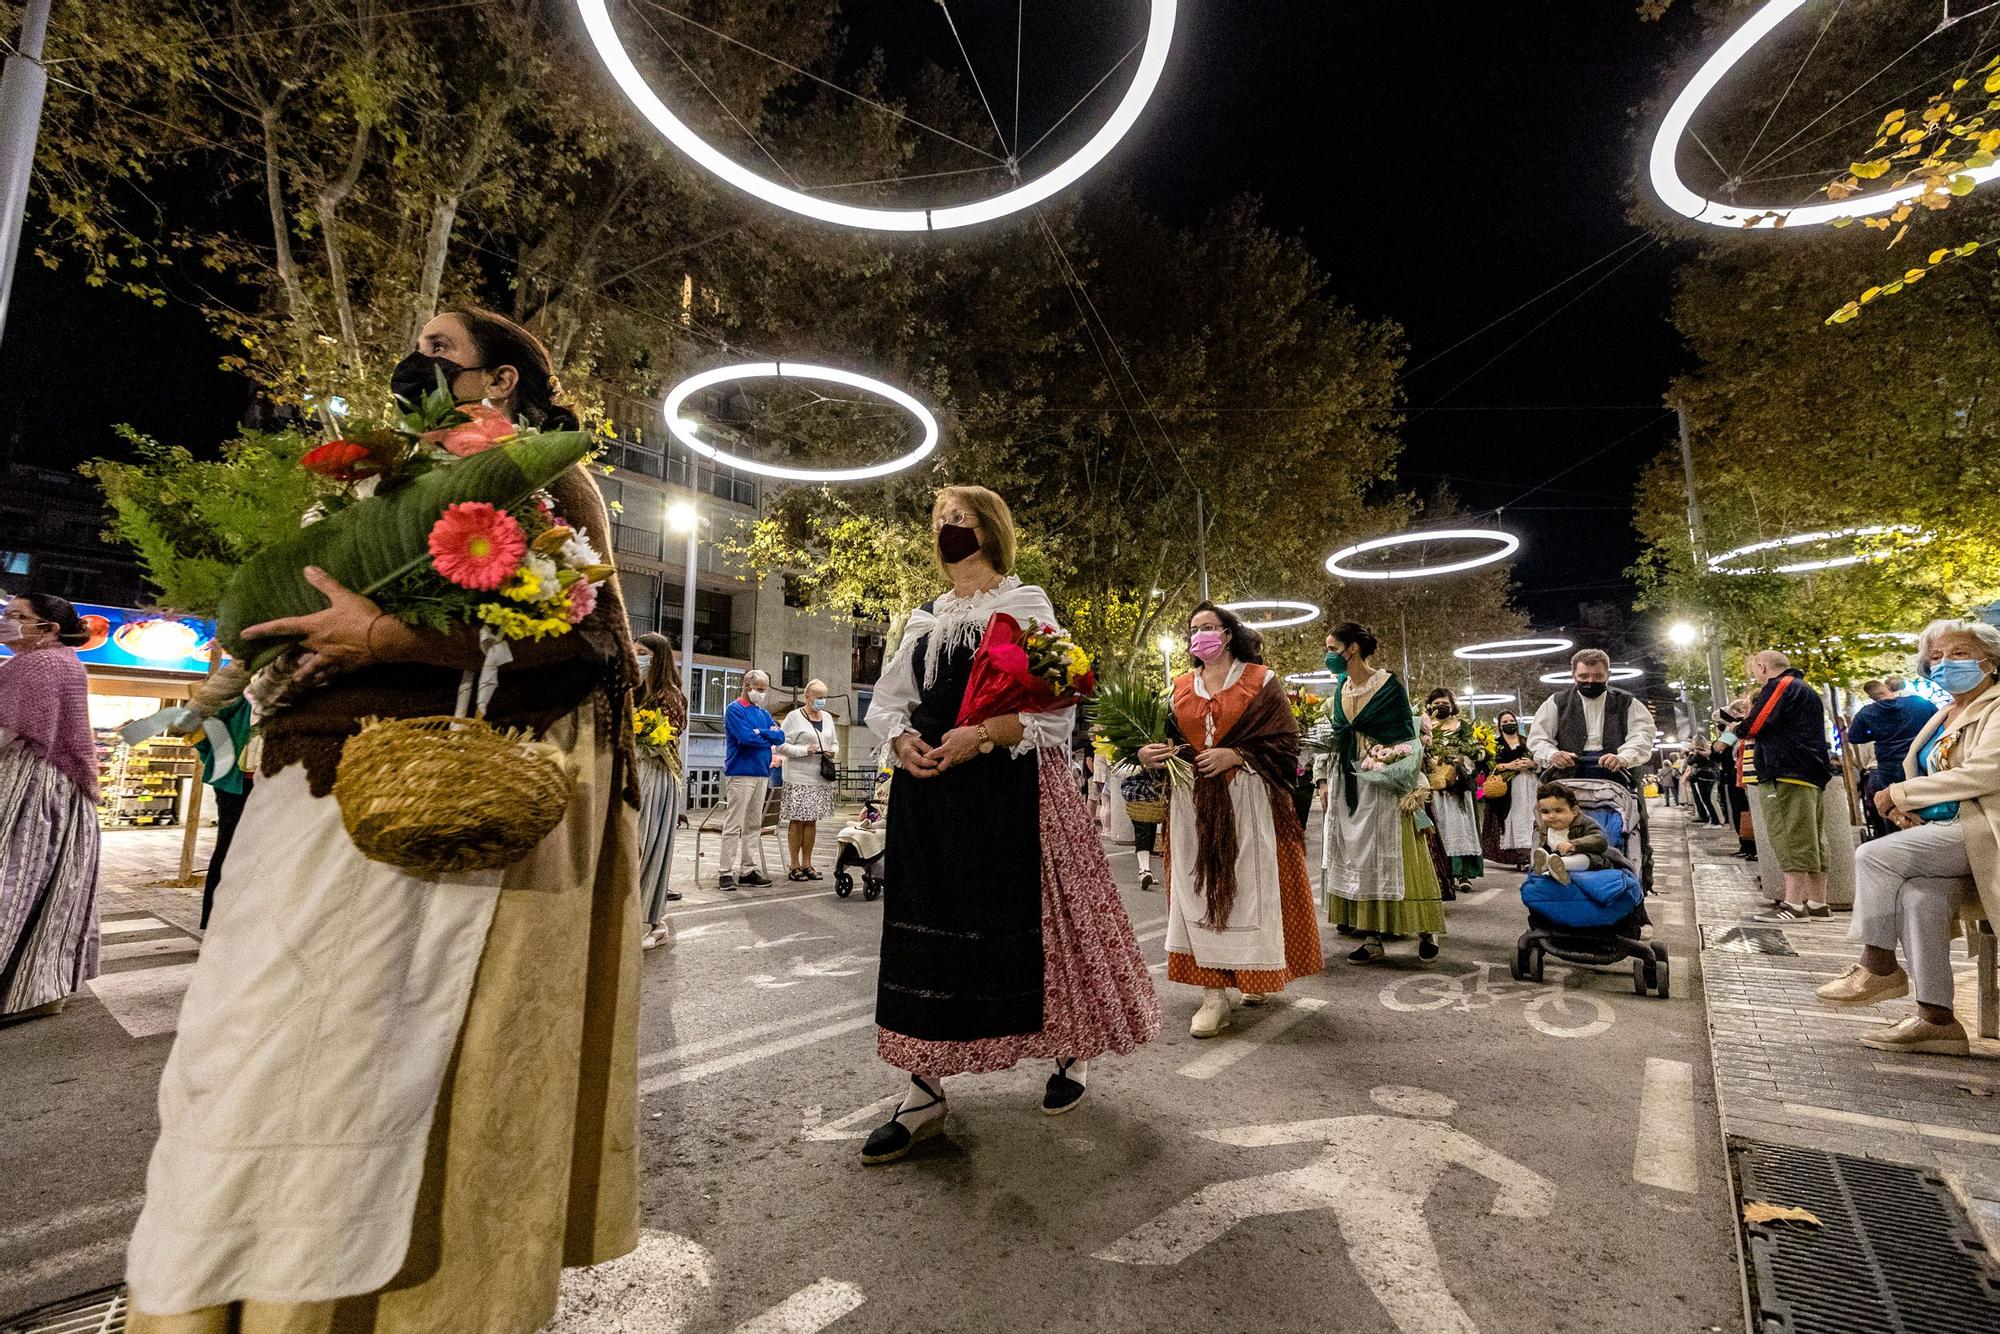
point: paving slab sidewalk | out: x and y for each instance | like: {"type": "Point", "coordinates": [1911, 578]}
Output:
{"type": "Point", "coordinates": [1789, 1070]}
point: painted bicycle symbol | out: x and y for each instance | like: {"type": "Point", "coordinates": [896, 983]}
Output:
{"type": "Point", "coordinates": [1555, 1008]}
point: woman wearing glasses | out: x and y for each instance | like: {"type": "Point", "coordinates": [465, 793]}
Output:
{"type": "Point", "coordinates": [48, 811]}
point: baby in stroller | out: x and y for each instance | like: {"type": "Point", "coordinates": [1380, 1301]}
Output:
{"type": "Point", "coordinates": [862, 847]}
{"type": "Point", "coordinates": [1568, 840]}
{"type": "Point", "coordinates": [1585, 901]}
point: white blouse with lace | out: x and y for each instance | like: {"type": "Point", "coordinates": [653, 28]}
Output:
{"type": "Point", "coordinates": [955, 622]}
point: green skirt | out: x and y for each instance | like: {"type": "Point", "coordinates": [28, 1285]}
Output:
{"type": "Point", "coordinates": [1419, 912]}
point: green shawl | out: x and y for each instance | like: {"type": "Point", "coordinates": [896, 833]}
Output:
{"type": "Point", "coordinates": [1386, 718]}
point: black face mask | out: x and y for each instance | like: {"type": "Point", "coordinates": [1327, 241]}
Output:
{"type": "Point", "coordinates": [1443, 710]}
{"type": "Point", "coordinates": [417, 375]}
{"type": "Point", "coordinates": [1591, 689]}
{"type": "Point", "coordinates": [1510, 728]}
{"type": "Point", "coordinates": [956, 542]}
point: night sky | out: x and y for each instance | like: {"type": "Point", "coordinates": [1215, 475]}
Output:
{"type": "Point", "coordinates": [1446, 160]}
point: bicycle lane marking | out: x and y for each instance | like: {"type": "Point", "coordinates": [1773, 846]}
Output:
{"type": "Point", "coordinates": [1475, 989]}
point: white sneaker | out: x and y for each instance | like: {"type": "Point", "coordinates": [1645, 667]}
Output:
{"type": "Point", "coordinates": [1213, 1016]}
{"type": "Point", "coordinates": [1255, 998]}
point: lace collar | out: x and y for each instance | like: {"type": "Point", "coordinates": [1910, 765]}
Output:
{"type": "Point", "coordinates": [957, 623]}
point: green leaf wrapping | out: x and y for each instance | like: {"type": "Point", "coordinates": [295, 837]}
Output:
{"type": "Point", "coordinates": [1129, 715]}
{"type": "Point", "coordinates": [375, 541]}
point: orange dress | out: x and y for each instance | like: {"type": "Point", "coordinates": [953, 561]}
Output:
{"type": "Point", "coordinates": [1207, 721]}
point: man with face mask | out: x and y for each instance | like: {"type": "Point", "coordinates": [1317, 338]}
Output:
{"type": "Point", "coordinates": [1592, 729]}
{"type": "Point", "coordinates": [750, 734]}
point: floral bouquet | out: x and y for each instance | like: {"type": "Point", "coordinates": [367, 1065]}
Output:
{"type": "Point", "coordinates": [1397, 768]}
{"type": "Point", "coordinates": [1017, 671]}
{"type": "Point", "coordinates": [655, 734]}
{"type": "Point", "coordinates": [443, 519]}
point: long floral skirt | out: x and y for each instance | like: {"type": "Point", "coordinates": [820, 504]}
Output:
{"type": "Point", "coordinates": [1097, 995]}
{"type": "Point", "coordinates": [48, 883]}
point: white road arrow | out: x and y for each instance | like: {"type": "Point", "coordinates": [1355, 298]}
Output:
{"type": "Point", "coordinates": [796, 938]}
{"type": "Point", "coordinates": [855, 1125]}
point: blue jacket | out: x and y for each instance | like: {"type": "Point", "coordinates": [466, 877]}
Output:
{"type": "Point", "coordinates": [751, 734]}
{"type": "Point", "coordinates": [1892, 724]}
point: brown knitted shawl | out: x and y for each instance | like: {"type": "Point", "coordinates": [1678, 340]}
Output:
{"type": "Point", "coordinates": [1266, 735]}
{"type": "Point", "coordinates": [312, 728]}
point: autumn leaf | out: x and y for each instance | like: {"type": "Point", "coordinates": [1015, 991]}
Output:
{"type": "Point", "coordinates": [1962, 186]}
{"type": "Point", "coordinates": [1937, 256]}
{"type": "Point", "coordinates": [1758, 1211]}
{"type": "Point", "coordinates": [1868, 171]}
{"type": "Point", "coordinates": [1901, 232]}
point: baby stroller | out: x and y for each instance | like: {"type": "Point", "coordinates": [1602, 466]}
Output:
{"type": "Point", "coordinates": [861, 847]}
{"type": "Point", "coordinates": [1597, 918]}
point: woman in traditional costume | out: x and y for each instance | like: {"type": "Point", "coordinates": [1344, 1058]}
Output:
{"type": "Point", "coordinates": [1456, 761]}
{"type": "Point", "coordinates": [1003, 939]}
{"type": "Point", "coordinates": [660, 791]}
{"type": "Point", "coordinates": [1380, 883]}
{"type": "Point", "coordinates": [399, 1104]}
{"type": "Point", "coordinates": [1507, 824]}
{"type": "Point", "coordinates": [1239, 896]}
{"type": "Point", "coordinates": [48, 811]}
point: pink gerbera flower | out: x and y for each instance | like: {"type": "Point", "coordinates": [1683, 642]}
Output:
{"type": "Point", "coordinates": [582, 601]}
{"type": "Point", "coordinates": [477, 546]}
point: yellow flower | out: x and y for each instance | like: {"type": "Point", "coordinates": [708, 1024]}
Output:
{"type": "Point", "coordinates": [1079, 661]}
{"type": "Point", "coordinates": [525, 586]}
{"type": "Point", "coordinates": [514, 624]}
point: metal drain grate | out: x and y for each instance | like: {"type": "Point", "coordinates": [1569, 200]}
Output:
{"type": "Point", "coordinates": [100, 1312]}
{"type": "Point", "coordinates": [1893, 1256]}
{"type": "Point", "coordinates": [1748, 940]}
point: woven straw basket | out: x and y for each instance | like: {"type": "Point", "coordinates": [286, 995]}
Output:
{"type": "Point", "coordinates": [1442, 776]}
{"type": "Point", "coordinates": [440, 795]}
{"type": "Point", "coordinates": [1147, 812]}
{"type": "Point", "coordinates": [1495, 786]}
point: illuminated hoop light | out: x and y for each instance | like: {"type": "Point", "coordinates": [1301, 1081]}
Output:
{"type": "Point", "coordinates": [1507, 545]}
{"type": "Point", "coordinates": [684, 431]}
{"type": "Point", "coordinates": [1311, 679]}
{"type": "Point", "coordinates": [1152, 62]}
{"type": "Point", "coordinates": [1305, 613]}
{"type": "Point", "coordinates": [1514, 648]}
{"type": "Point", "coordinates": [1489, 698]}
{"type": "Point", "coordinates": [1721, 564]}
{"type": "Point", "coordinates": [1569, 678]}
{"type": "Point", "coordinates": [1677, 196]}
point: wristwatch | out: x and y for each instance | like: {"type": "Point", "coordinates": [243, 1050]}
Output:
{"type": "Point", "coordinates": [985, 740]}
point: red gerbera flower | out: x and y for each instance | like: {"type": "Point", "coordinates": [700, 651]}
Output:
{"type": "Point", "coordinates": [477, 546]}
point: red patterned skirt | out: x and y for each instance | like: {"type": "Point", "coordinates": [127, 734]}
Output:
{"type": "Point", "coordinates": [1097, 994]}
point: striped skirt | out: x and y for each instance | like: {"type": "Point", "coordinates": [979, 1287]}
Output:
{"type": "Point", "coordinates": [48, 883]}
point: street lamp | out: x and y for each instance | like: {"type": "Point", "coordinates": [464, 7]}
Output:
{"type": "Point", "coordinates": [1165, 643]}
{"type": "Point", "coordinates": [683, 517]}
{"type": "Point", "coordinates": [1683, 634]}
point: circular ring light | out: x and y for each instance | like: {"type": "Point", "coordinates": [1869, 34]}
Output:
{"type": "Point", "coordinates": [1311, 679]}
{"type": "Point", "coordinates": [1723, 564]}
{"type": "Point", "coordinates": [1486, 698]}
{"type": "Point", "coordinates": [1303, 613]}
{"type": "Point", "coordinates": [684, 431]}
{"type": "Point", "coordinates": [1569, 678]}
{"type": "Point", "coordinates": [1677, 196]}
{"type": "Point", "coordinates": [1514, 648]}
{"type": "Point", "coordinates": [1152, 61]}
{"type": "Point", "coordinates": [1506, 544]}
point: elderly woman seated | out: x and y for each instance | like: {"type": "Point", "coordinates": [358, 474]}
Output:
{"type": "Point", "coordinates": [1909, 884]}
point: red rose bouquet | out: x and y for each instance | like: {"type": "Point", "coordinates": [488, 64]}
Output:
{"type": "Point", "coordinates": [1017, 671]}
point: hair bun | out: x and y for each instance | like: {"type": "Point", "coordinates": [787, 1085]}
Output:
{"type": "Point", "coordinates": [560, 418]}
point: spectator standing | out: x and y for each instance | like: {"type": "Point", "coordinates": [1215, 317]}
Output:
{"type": "Point", "coordinates": [750, 733]}
{"type": "Point", "coordinates": [1890, 722]}
{"type": "Point", "coordinates": [1787, 734]}
{"type": "Point", "coordinates": [1701, 774]}
{"type": "Point", "coordinates": [812, 766]}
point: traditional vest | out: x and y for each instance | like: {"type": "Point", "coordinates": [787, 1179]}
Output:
{"type": "Point", "coordinates": [1571, 729]}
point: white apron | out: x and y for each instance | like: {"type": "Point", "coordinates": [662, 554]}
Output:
{"type": "Point", "coordinates": [1365, 848]}
{"type": "Point", "coordinates": [1458, 824]}
{"type": "Point", "coordinates": [296, 1105]}
{"type": "Point", "coordinates": [1519, 831]}
{"type": "Point", "coordinates": [1255, 937]}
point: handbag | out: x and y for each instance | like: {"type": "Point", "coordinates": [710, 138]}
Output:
{"type": "Point", "coordinates": [828, 770]}
{"type": "Point", "coordinates": [1743, 828]}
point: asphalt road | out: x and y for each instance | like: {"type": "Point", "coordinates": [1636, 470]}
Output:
{"type": "Point", "coordinates": [1393, 1147]}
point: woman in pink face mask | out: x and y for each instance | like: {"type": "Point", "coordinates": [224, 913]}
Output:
{"type": "Point", "coordinates": [1239, 898]}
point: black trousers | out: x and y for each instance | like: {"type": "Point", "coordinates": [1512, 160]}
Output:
{"type": "Point", "coordinates": [228, 810]}
{"type": "Point", "coordinates": [1704, 800]}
